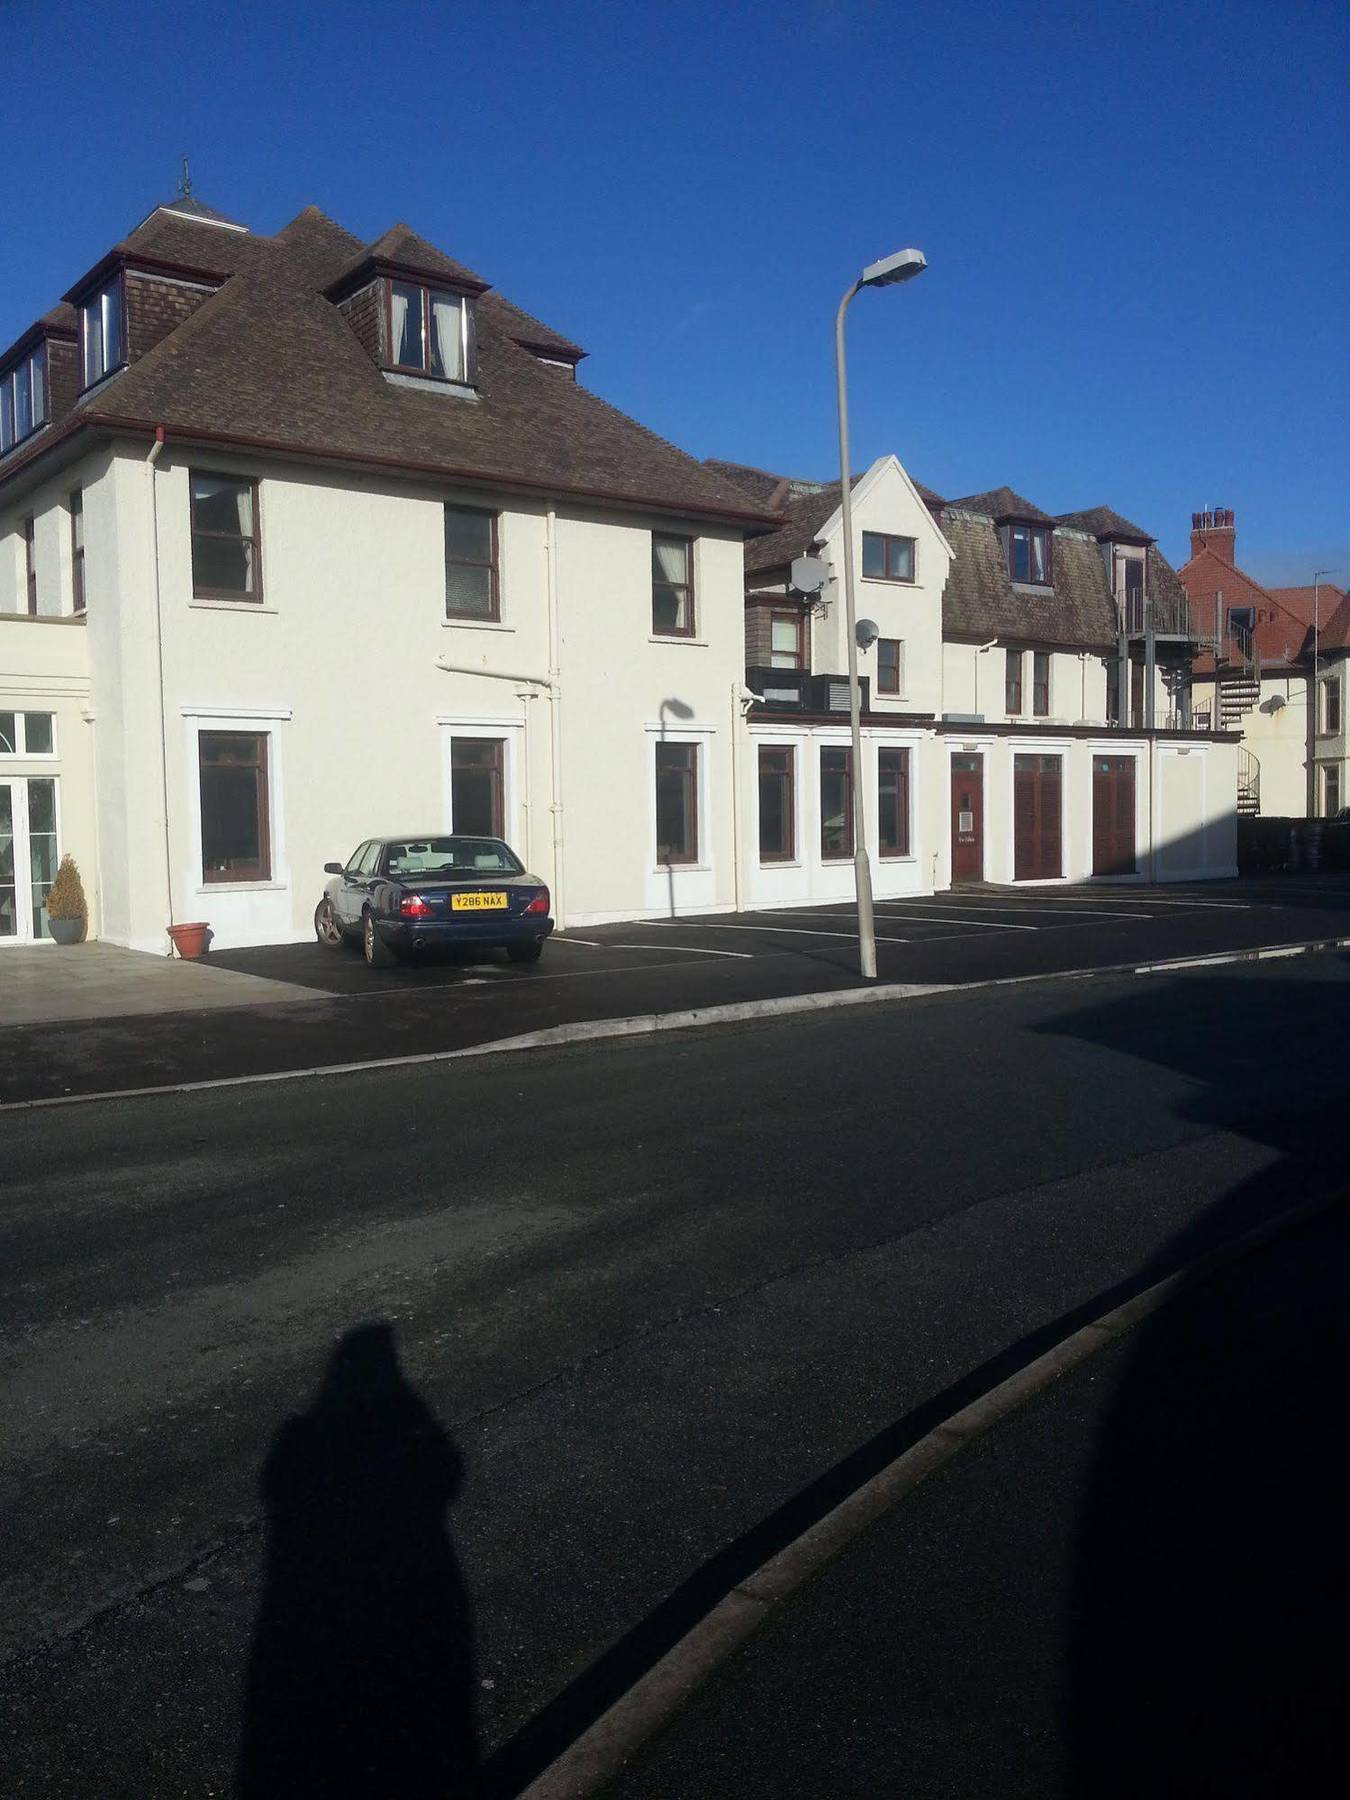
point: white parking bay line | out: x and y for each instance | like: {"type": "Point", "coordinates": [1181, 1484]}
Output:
{"type": "Point", "coordinates": [934, 918]}
{"type": "Point", "coordinates": [684, 949]}
{"type": "Point", "coordinates": [942, 910]}
{"type": "Point", "coordinates": [788, 930]}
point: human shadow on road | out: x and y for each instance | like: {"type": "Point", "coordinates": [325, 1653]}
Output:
{"type": "Point", "coordinates": [360, 1677]}
{"type": "Point", "coordinates": [1206, 1648]}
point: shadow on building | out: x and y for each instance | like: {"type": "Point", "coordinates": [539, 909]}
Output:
{"type": "Point", "coordinates": [360, 1677]}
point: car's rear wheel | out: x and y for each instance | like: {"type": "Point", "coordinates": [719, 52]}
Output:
{"type": "Point", "coordinates": [326, 927]}
{"type": "Point", "coordinates": [377, 952]}
{"type": "Point", "coordinates": [526, 953]}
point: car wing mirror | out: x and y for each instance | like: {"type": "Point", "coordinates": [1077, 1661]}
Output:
{"type": "Point", "coordinates": [334, 869]}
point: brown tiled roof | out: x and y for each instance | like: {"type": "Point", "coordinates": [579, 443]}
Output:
{"type": "Point", "coordinates": [401, 244]}
{"type": "Point", "coordinates": [526, 329]}
{"type": "Point", "coordinates": [1336, 633]}
{"type": "Point", "coordinates": [267, 362]}
{"type": "Point", "coordinates": [1002, 503]}
{"type": "Point", "coordinates": [1103, 522]}
{"type": "Point", "coordinates": [760, 484]}
{"type": "Point", "coordinates": [981, 601]}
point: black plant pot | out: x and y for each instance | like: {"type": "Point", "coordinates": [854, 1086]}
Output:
{"type": "Point", "coordinates": [66, 931]}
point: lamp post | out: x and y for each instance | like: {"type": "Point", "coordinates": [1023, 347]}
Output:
{"type": "Point", "coordinates": [902, 266]}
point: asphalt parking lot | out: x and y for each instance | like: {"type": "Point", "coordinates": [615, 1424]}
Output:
{"type": "Point", "coordinates": [953, 936]}
{"type": "Point", "coordinates": [307, 1007]}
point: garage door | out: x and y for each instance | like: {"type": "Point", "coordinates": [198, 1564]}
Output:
{"type": "Point", "coordinates": [1113, 847]}
{"type": "Point", "coordinates": [1037, 818]}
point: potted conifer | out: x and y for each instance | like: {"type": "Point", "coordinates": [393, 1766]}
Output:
{"type": "Point", "coordinates": [67, 913]}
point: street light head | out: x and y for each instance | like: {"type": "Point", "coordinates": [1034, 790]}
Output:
{"type": "Point", "coordinates": [902, 266]}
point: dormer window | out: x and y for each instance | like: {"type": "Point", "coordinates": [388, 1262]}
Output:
{"type": "Point", "coordinates": [1029, 554]}
{"type": "Point", "coordinates": [23, 398]}
{"type": "Point", "coordinates": [102, 332]}
{"type": "Point", "coordinates": [430, 332]}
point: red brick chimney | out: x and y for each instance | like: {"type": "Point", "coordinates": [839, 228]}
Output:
{"type": "Point", "coordinates": [1214, 530]}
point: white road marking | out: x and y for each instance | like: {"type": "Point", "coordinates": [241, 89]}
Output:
{"type": "Point", "coordinates": [1051, 912]}
{"type": "Point", "coordinates": [913, 918]}
{"type": "Point", "coordinates": [685, 950]}
{"type": "Point", "coordinates": [790, 930]}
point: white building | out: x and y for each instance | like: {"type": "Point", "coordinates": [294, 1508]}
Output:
{"type": "Point", "coordinates": [305, 541]}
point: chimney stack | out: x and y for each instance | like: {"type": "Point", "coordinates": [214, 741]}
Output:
{"type": "Point", "coordinates": [1214, 530]}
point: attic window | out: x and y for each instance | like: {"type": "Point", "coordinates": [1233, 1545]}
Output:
{"type": "Point", "coordinates": [1029, 553]}
{"type": "Point", "coordinates": [103, 332]}
{"type": "Point", "coordinates": [23, 398]}
{"type": "Point", "coordinates": [430, 332]}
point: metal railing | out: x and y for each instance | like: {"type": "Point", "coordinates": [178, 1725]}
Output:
{"type": "Point", "coordinates": [1166, 616]}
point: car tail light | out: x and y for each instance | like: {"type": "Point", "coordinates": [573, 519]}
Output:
{"type": "Point", "coordinates": [540, 902]}
{"type": "Point", "coordinates": [413, 906]}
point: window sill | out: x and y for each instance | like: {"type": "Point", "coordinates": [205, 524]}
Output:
{"type": "Point", "coordinates": [780, 862]}
{"type": "Point", "coordinates": [682, 868]}
{"type": "Point", "coordinates": [458, 624]}
{"type": "Point", "coordinates": [1045, 589]}
{"type": "Point", "coordinates": [234, 606]}
{"type": "Point", "coordinates": [676, 637]}
{"type": "Point", "coordinates": [244, 887]}
{"type": "Point", "coordinates": [892, 580]}
{"type": "Point", "coordinates": [429, 384]}
{"type": "Point", "coordinates": [28, 618]}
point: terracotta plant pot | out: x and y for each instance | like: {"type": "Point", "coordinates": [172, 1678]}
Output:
{"type": "Point", "coordinates": [66, 931]}
{"type": "Point", "coordinates": [190, 940]}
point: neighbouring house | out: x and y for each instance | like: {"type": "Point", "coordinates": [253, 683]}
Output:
{"type": "Point", "coordinates": [1026, 699]}
{"type": "Point", "coordinates": [1275, 665]}
{"type": "Point", "coordinates": [304, 539]}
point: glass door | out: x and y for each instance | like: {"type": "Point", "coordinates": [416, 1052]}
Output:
{"type": "Point", "coordinates": [29, 853]}
{"type": "Point", "coordinates": [9, 892]}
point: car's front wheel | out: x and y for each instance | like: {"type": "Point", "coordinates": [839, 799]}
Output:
{"type": "Point", "coordinates": [326, 927]}
{"type": "Point", "coordinates": [377, 952]}
{"type": "Point", "coordinates": [526, 953]}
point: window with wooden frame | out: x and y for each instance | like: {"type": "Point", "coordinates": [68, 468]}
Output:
{"type": "Point", "coordinates": [477, 787]}
{"type": "Point", "coordinates": [429, 330]}
{"type": "Point", "coordinates": [103, 332]}
{"type": "Point", "coordinates": [1331, 706]}
{"type": "Point", "coordinates": [836, 802]}
{"type": "Point", "coordinates": [886, 558]}
{"type": "Point", "coordinates": [226, 552]}
{"type": "Point", "coordinates": [1012, 682]}
{"type": "Point", "coordinates": [30, 564]}
{"type": "Point", "coordinates": [77, 550]}
{"type": "Point", "coordinates": [676, 803]}
{"type": "Point", "coordinates": [777, 803]}
{"type": "Point", "coordinates": [890, 666]}
{"type": "Point", "coordinates": [672, 586]}
{"type": "Point", "coordinates": [787, 640]}
{"type": "Point", "coordinates": [1040, 684]}
{"type": "Point", "coordinates": [893, 801]}
{"type": "Point", "coordinates": [1029, 554]}
{"type": "Point", "coordinates": [23, 398]}
{"type": "Point", "coordinates": [471, 586]}
{"type": "Point", "coordinates": [1113, 690]}
{"type": "Point", "coordinates": [236, 842]}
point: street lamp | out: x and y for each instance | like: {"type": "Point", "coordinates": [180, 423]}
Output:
{"type": "Point", "coordinates": [891, 269]}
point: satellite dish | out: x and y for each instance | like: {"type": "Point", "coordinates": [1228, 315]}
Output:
{"type": "Point", "coordinates": [868, 631]}
{"type": "Point", "coordinates": [808, 575]}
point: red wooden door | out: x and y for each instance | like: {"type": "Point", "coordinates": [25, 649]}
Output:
{"type": "Point", "coordinates": [1037, 818]}
{"type": "Point", "coordinates": [968, 818]}
{"type": "Point", "coordinates": [1113, 845]}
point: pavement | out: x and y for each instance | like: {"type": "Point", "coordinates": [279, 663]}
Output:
{"type": "Point", "coordinates": [1136, 1585]}
{"type": "Point", "coordinates": [302, 1006]}
{"type": "Point", "coordinates": [560, 1345]}
{"type": "Point", "coordinates": [46, 984]}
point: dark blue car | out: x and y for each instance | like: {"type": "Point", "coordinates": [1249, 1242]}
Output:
{"type": "Point", "coordinates": [395, 896]}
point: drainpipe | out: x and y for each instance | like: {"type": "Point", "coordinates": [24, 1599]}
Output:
{"type": "Point", "coordinates": [153, 456]}
{"type": "Point", "coordinates": [555, 712]}
{"type": "Point", "coordinates": [737, 717]}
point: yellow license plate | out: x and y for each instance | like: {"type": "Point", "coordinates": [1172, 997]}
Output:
{"type": "Point", "coordinates": [478, 902]}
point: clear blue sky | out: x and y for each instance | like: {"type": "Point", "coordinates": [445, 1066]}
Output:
{"type": "Point", "coordinates": [1135, 214]}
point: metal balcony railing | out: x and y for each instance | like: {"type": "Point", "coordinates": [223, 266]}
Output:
{"type": "Point", "coordinates": [1168, 616]}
